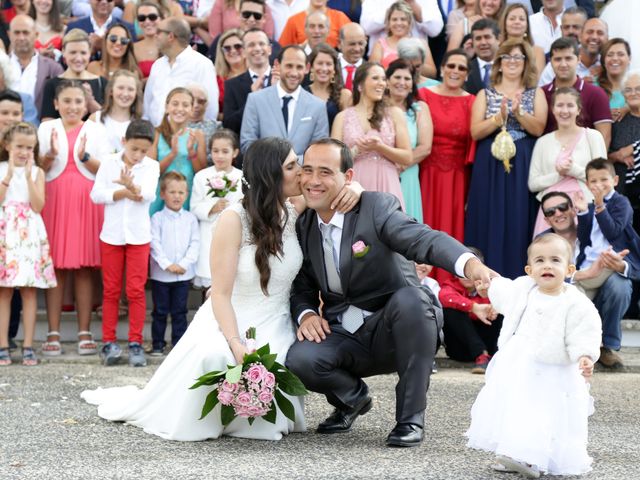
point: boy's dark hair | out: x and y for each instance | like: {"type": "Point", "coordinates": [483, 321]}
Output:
{"type": "Point", "coordinates": [140, 129]}
{"type": "Point", "coordinates": [11, 96]}
{"type": "Point", "coordinates": [549, 195]}
{"type": "Point", "coordinates": [600, 164]}
{"type": "Point", "coordinates": [172, 176]}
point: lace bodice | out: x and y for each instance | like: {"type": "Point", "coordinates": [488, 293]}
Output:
{"type": "Point", "coordinates": [248, 297]}
{"type": "Point", "coordinates": [494, 100]}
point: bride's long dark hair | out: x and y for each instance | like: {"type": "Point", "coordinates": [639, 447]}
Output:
{"type": "Point", "coordinates": [264, 200]}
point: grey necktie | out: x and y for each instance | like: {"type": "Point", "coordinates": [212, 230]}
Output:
{"type": "Point", "coordinates": [352, 318]}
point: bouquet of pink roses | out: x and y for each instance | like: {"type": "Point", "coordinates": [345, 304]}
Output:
{"type": "Point", "coordinates": [220, 185]}
{"type": "Point", "coordinates": [253, 388]}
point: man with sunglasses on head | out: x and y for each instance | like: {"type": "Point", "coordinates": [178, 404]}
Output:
{"type": "Point", "coordinates": [34, 69]}
{"type": "Point", "coordinates": [252, 16]}
{"type": "Point", "coordinates": [259, 75]}
{"type": "Point", "coordinates": [614, 295]}
{"type": "Point", "coordinates": [98, 22]}
{"type": "Point", "coordinates": [179, 66]}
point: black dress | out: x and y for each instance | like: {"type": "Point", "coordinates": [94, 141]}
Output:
{"type": "Point", "coordinates": [48, 110]}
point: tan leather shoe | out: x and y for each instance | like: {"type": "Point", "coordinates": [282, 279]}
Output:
{"type": "Point", "coordinates": [609, 358]}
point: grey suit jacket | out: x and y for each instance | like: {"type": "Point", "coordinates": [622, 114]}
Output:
{"type": "Point", "coordinates": [395, 241]}
{"type": "Point", "coordinates": [47, 69]}
{"type": "Point", "coordinates": [263, 118]}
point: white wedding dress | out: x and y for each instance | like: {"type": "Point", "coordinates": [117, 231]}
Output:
{"type": "Point", "coordinates": [166, 407]}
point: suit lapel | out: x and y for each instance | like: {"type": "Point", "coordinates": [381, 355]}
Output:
{"type": "Point", "coordinates": [348, 230]}
{"type": "Point", "coordinates": [298, 112]}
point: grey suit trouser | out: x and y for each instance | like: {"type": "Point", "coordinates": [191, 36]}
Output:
{"type": "Point", "coordinates": [400, 338]}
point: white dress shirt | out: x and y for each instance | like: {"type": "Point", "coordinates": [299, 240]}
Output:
{"type": "Point", "coordinates": [175, 238]}
{"type": "Point", "coordinates": [542, 30]}
{"type": "Point", "coordinates": [374, 12]}
{"type": "Point", "coordinates": [343, 66]}
{"type": "Point", "coordinates": [100, 30]}
{"type": "Point", "coordinates": [189, 68]}
{"type": "Point", "coordinates": [27, 77]}
{"type": "Point", "coordinates": [125, 222]}
{"type": "Point", "coordinates": [292, 103]}
{"type": "Point", "coordinates": [281, 10]}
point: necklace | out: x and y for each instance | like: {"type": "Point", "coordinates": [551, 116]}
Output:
{"type": "Point", "coordinates": [43, 29]}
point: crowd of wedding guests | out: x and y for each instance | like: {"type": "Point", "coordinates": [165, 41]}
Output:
{"type": "Point", "coordinates": [481, 116]}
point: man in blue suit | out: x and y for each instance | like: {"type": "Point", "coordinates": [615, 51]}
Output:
{"type": "Point", "coordinates": [98, 23]}
{"type": "Point", "coordinates": [285, 110]}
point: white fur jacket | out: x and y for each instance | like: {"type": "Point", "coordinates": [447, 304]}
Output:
{"type": "Point", "coordinates": [562, 335]}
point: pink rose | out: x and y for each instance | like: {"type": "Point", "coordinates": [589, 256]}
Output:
{"type": "Point", "coordinates": [242, 411]}
{"type": "Point", "coordinates": [229, 387]}
{"type": "Point", "coordinates": [269, 380]}
{"type": "Point", "coordinates": [217, 183]}
{"type": "Point", "coordinates": [224, 397]}
{"type": "Point", "coordinates": [358, 247]}
{"type": "Point", "coordinates": [256, 373]}
{"type": "Point", "coordinates": [243, 399]}
{"type": "Point", "coordinates": [265, 397]}
{"type": "Point", "coordinates": [254, 411]}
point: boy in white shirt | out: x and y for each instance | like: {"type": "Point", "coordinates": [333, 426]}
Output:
{"type": "Point", "coordinates": [126, 183]}
{"type": "Point", "coordinates": [175, 246]}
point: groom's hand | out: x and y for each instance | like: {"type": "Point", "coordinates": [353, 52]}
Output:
{"type": "Point", "coordinates": [477, 271]}
{"type": "Point", "coordinates": [313, 328]}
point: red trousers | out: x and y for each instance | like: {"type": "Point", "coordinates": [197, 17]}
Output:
{"type": "Point", "coordinates": [114, 260]}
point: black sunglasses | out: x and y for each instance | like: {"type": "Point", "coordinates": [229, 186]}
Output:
{"type": "Point", "coordinates": [455, 66]}
{"type": "Point", "coordinates": [246, 15]}
{"type": "Point", "coordinates": [116, 38]}
{"type": "Point", "coordinates": [550, 212]}
{"type": "Point", "coordinates": [236, 46]}
{"type": "Point", "coordinates": [152, 16]}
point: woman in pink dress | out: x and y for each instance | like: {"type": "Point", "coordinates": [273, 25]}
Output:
{"type": "Point", "coordinates": [376, 134]}
{"type": "Point", "coordinates": [70, 153]}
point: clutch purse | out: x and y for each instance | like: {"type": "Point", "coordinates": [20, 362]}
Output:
{"type": "Point", "coordinates": [504, 148]}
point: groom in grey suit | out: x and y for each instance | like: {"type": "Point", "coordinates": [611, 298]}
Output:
{"type": "Point", "coordinates": [375, 318]}
{"type": "Point", "coordinates": [285, 110]}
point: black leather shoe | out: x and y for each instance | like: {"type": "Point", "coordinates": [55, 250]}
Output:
{"type": "Point", "coordinates": [340, 421]}
{"type": "Point", "coordinates": [405, 435]}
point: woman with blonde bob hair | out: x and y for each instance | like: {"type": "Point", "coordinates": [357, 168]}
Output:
{"type": "Point", "coordinates": [500, 209]}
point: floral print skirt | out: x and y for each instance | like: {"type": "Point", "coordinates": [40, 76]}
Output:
{"type": "Point", "coordinates": [25, 259]}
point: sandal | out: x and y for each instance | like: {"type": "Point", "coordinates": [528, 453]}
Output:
{"type": "Point", "coordinates": [52, 348]}
{"type": "Point", "coordinates": [87, 347]}
{"type": "Point", "coordinates": [29, 358]}
{"type": "Point", "coordinates": [5, 357]}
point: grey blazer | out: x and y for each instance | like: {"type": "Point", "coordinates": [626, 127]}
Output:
{"type": "Point", "coordinates": [263, 118]}
{"type": "Point", "coordinates": [395, 241]}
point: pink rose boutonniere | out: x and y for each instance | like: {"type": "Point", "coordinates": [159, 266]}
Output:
{"type": "Point", "coordinates": [360, 249]}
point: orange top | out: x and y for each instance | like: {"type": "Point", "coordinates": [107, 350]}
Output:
{"type": "Point", "coordinates": [293, 32]}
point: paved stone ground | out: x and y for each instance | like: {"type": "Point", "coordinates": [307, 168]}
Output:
{"type": "Point", "coordinates": [48, 432]}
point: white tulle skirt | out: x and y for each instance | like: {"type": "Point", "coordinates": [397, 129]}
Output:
{"type": "Point", "coordinates": [167, 408]}
{"type": "Point", "coordinates": [533, 412]}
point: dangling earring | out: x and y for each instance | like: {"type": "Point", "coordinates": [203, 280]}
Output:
{"type": "Point", "coordinates": [333, 79]}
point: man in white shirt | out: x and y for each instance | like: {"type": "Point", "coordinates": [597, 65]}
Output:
{"type": "Point", "coordinates": [180, 66]}
{"type": "Point", "coordinates": [545, 25]}
{"type": "Point", "coordinates": [426, 13]}
{"type": "Point", "coordinates": [281, 10]}
{"type": "Point", "coordinates": [353, 43]}
{"type": "Point", "coordinates": [34, 69]}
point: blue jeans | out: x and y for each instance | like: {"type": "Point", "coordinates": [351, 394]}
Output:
{"type": "Point", "coordinates": [612, 301]}
{"type": "Point", "coordinates": [168, 298]}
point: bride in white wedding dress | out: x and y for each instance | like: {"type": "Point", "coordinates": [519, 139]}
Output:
{"type": "Point", "coordinates": [251, 289]}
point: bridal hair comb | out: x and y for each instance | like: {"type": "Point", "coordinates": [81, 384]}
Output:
{"type": "Point", "coordinates": [245, 183]}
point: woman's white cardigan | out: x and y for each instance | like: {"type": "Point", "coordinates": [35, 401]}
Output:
{"type": "Point", "coordinates": [97, 146]}
{"type": "Point", "coordinates": [562, 336]}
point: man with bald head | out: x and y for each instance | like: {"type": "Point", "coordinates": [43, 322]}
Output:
{"type": "Point", "coordinates": [35, 69]}
{"type": "Point", "coordinates": [179, 66]}
{"type": "Point", "coordinates": [316, 28]}
{"type": "Point", "coordinates": [352, 44]}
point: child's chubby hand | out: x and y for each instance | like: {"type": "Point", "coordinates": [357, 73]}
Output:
{"type": "Point", "coordinates": [485, 312]}
{"type": "Point", "coordinates": [586, 366]}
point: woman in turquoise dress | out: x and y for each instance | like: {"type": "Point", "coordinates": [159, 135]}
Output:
{"type": "Point", "coordinates": [615, 58]}
{"type": "Point", "coordinates": [177, 147]}
{"type": "Point", "coordinates": [403, 94]}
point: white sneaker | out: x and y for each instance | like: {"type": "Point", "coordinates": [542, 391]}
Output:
{"type": "Point", "coordinates": [519, 467]}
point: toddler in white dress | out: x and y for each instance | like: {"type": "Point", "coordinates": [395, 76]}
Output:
{"type": "Point", "coordinates": [533, 410]}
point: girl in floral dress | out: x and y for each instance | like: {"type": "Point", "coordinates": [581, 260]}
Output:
{"type": "Point", "coordinates": [25, 262]}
